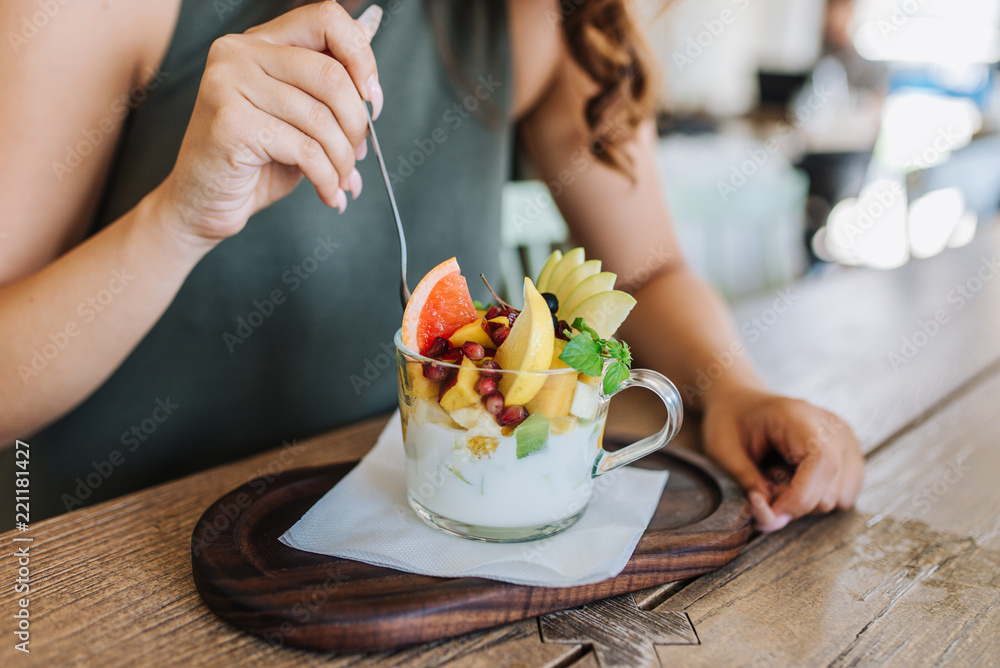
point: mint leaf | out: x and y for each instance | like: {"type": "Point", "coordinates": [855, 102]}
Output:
{"type": "Point", "coordinates": [532, 435]}
{"type": "Point", "coordinates": [616, 374]}
{"type": "Point", "coordinates": [584, 354]}
{"type": "Point", "coordinates": [478, 304]}
{"type": "Point", "coordinates": [581, 326]}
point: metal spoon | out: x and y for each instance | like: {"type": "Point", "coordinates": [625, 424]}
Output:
{"type": "Point", "coordinates": [404, 291]}
{"type": "Point", "coordinates": [370, 20]}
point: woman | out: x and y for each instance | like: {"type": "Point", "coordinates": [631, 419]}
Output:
{"type": "Point", "coordinates": [151, 331]}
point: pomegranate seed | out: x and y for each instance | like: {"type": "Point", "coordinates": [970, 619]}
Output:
{"type": "Point", "coordinates": [487, 369]}
{"type": "Point", "coordinates": [512, 316]}
{"type": "Point", "coordinates": [453, 356]}
{"type": "Point", "coordinates": [492, 312]}
{"type": "Point", "coordinates": [489, 352]}
{"type": "Point", "coordinates": [486, 386]}
{"type": "Point", "coordinates": [473, 351]}
{"type": "Point", "coordinates": [511, 416]}
{"type": "Point", "coordinates": [561, 328]}
{"type": "Point", "coordinates": [434, 372]}
{"type": "Point", "coordinates": [494, 403]}
{"type": "Point", "coordinates": [500, 334]}
{"type": "Point", "coordinates": [438, 347]}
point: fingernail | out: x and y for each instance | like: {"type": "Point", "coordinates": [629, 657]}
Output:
{"type": "Point", "coordinates": [375, 96]}
{"type": "Point", "coordinates": [780, 522]}
{"type": "Point", "coordinates": [361, 151]}
{"type": "Point", "coordinates": [762, 511]}
{"type": "Point", "coordinates": [355, 180]}
{"type": "Point", "coordinates": [370, 20]}
{"type": "Point", "coordinates": [341, 200]}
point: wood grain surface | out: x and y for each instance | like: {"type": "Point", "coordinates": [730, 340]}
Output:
{"type": "Point", "coordinates": [911, 577]}
{"type": "Point", "coordinates": [308, 600]}
{"type": "Point", "coordinates": [896, 582]}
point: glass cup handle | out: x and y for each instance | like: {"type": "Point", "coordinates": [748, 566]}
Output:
{"type": "Point", "coordinates": [671, 398]}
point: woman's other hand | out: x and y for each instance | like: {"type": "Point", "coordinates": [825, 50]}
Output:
{"type": "Point", "coordinates": [792, 457]}
{"type": "Point", "coordinates": [282, 100]}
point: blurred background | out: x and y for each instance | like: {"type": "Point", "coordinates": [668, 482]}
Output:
{"type": "Point", "coordinates": [803, 136]}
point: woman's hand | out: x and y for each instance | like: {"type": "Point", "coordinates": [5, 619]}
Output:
{"type": "Point", "coordinates": [793, 458]}
{"type": "Point", "coordinates": [280, 101]}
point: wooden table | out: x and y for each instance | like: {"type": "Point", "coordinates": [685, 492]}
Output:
{"type": "Point", "coordinates": [911, 577]}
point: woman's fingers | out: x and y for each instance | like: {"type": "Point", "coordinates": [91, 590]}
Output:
{"type": "Point", "coordinates": [290, 146]}
{"type": "Point", "coordinates": [854, 473]}
{"type": "Point", "coordinates": [809, 485]}
{"type": "Point", "coordinates": [326, 27]}
{"type": "Point", "coordinates": [324, 79]}
{"type": "Point", "coordinates": [310, 117]}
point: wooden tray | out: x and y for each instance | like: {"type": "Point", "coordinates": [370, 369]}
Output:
{"type": "Point", "coordinates": [297, 598]}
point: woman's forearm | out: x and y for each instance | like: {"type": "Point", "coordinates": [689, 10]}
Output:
{"type": "Point", "coordinates": [681, 327]}
{"type": "Point", "coordinates": [68, 326]}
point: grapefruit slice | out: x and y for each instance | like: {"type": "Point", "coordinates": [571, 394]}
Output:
{"type": "Point", "coordinates": [439, 305]}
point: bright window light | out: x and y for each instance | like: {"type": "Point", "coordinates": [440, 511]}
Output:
{"type": "Point", "coordinates": [933, 219]}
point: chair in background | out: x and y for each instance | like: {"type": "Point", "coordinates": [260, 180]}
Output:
{"type": "Point", "coordinates": [531, 227]}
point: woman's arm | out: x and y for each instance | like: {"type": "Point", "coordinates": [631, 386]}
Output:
{"type": "Point", "coordinates": [70, 322]}
{"type": "Point", "coordinates": [680, 324]}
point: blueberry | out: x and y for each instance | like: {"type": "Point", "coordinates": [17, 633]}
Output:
{"type": "Point", "coordinates": [552, 301]}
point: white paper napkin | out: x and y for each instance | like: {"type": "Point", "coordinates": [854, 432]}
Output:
{"type": "Point", "coordinates": [366, 517]}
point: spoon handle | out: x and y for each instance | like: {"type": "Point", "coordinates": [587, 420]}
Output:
{"type": "Point", "coordinates": [404, 291]}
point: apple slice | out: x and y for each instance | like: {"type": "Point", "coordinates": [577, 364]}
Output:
{"type": "Point", "coordinates": [568, 263]}
{"type": "Point", "coordinates": [603, 312]}
{"type": "Point", "coordinates": [547, 269]}
{"type": "Point", "coordinates": [588, 287]}
{"type": "Point", "coordinates": [528, 348]}
{"type": "Point", "coordinates": [575, 277]}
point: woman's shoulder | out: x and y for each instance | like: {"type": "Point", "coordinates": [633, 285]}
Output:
{"type": "Point", "coordinates": [71, 62]}
{"type": "Point", "coordinates": [537, 50]}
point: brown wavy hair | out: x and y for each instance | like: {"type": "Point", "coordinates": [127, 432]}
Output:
{"type": "Point", "coordinates": [603, 37]}
{"type": "Point", "coordinates": [605, 40]}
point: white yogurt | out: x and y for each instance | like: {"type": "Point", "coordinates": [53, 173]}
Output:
{"type": "Point", "coordinates": [498, 490]}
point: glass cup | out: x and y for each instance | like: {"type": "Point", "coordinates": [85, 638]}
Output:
{"type": "Point", "coordinates": [471, 477]}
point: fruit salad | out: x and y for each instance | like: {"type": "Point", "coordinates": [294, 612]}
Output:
{"type": "Point", "coordinates": [503, 409]}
